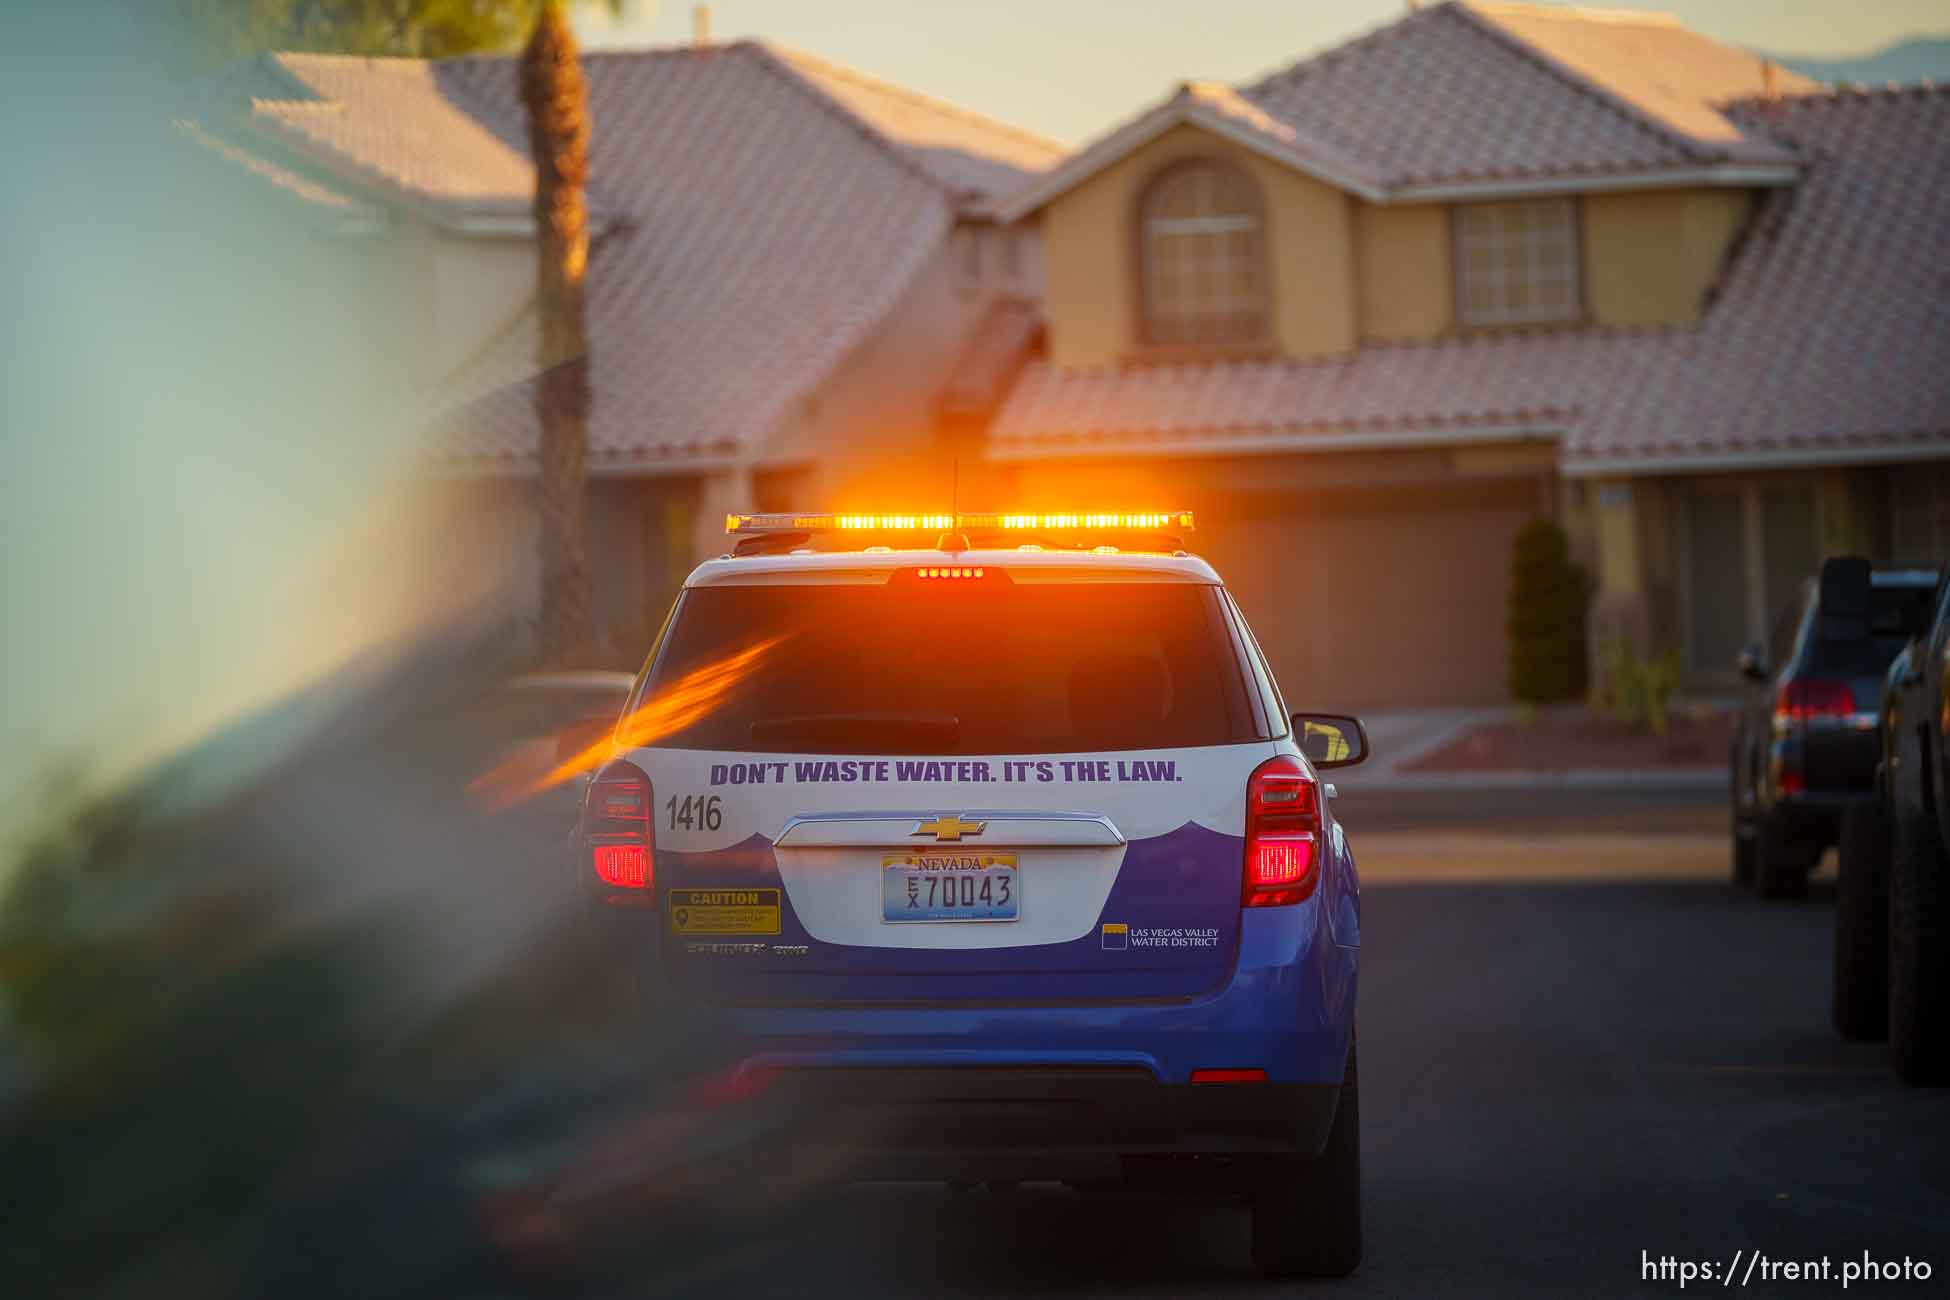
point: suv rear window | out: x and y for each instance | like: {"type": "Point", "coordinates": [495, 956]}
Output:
{"type": "Point", "coordinates": [962, 668]}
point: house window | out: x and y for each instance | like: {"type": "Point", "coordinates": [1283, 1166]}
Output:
{"type": "Point", "coordinates": [1203, 256]}
{"type": "Point", "coordinates": [1517, 262]}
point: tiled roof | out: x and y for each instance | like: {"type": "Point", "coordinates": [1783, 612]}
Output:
{"type": "Point", "coordinates": [1831, 327]}
{"type": "Point", "coordinates": [1492, 383]}
{"type": "Point", "coordinates": [1470, 91]}
{"type": "Point", "coordinates": [1829, 336]}
{"type": "Point", "coordinates": [1222, 111]}
{"type": "Point", "coordinates": [310, 191]}
{"type": "Point", "coordinates": [395, 127]}
{"type": "Point", "coordinates": [766, 232]}
{"type": "Point", "coordinates": [1672, 76]}
{"type": "Point", "coordinates": [997, 349]}
{"type": "Point", "coordinates": [967, 152]}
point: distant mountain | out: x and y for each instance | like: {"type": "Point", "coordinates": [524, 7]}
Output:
{"type": "Point", "coordinates": [1921, 58]}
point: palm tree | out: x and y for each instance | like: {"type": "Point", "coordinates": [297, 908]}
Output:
{"type": "Point", "coordinates": [557, 101]}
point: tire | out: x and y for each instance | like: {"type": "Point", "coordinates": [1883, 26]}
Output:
{"type": "Point", "coordinates": [1307, 1217]}
{"type": "Point", "coordinates": [1782, 861]}
{"type": "Point", "coordinates": [1745, 853]}
{"type": "Point", "coordinates": [1861, 1007]}
{"type": "Point", "coordinates": [1743, 829]}
{"type": "Point", "coordinates": [1919, 965]}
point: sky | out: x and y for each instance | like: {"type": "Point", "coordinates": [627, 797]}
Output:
{"type": "Point", "coordinates": [1071, 69]}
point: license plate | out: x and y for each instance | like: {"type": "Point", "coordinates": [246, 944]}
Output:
{"type": "Point", "coordinates": [949, 887]}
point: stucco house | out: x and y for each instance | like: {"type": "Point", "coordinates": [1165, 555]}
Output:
{"type": "Point", "coordinates": [793, 267]}
{"type": "Point", "coordinates": [1372, 312]}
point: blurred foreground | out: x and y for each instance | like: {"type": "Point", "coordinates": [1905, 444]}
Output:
{"type": "Point", "coordinates": [341, 1033]}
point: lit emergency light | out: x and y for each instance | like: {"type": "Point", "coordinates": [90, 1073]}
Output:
{"type": "Point", "coordinates": [1174, 521]}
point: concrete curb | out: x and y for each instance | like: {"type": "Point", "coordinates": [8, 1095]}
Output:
{"type": "Point", "coordinates": [1687, 779]}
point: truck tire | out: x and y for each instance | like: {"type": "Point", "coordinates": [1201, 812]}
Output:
{"type": "Point", "coordinates": [1861, 1008]}
{"type": "Point", "coordinates": [1743, 828]}
{"type": "Point", "coordinates": [1307, 1217]}
{"type": "Point", "coordinates": [1782, 861]}
{"type": "Point", "coordinates": [1745, 851]}
{"type": "Point", "coordinates": [1919, 965]}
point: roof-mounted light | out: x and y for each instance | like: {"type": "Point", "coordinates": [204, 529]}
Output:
{"type": "Point", "coordinates": [746, 525]}
{"type": "Point", "coordinates": [1174, 521]}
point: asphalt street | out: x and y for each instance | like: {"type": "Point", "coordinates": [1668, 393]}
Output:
{"type": "Point", "coordinates": [1581, 1049]}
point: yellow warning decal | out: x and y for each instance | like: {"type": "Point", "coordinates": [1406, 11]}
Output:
{"type": "Point", "coordinates": [724, 911]}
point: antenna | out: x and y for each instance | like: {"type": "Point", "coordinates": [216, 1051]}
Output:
{"type": "Point", "coordinates": [954, 489]}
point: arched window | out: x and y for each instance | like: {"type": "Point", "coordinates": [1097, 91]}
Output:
{"type": "Point", "coordinates": [1203, 249]}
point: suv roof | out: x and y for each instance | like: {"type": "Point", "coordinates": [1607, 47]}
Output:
{"type": "Point", "coordinates": [866, 566]}
{"type": "Point", "coordinates": [1903, 578]}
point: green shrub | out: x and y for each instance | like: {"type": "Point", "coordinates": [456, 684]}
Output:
{"type": "Point", "coordinates": [1635, 690]}
{"type": "Point", "coordinates": [1548, 594]}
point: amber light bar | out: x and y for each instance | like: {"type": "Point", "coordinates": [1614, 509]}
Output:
{"type": "Point", "coordinates": [1152, 521]}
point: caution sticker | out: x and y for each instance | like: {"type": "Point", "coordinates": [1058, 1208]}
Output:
{"type": "Point", "coordinates": [724, 911]}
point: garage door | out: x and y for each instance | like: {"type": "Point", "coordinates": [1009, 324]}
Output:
{"type": "Point", "coordinates": [1372, 599]}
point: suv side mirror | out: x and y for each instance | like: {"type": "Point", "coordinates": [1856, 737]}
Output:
{"type": "Point", "coordinates": [1331, 739]}
{"type": "Point", "coordinates": [1752, 662]}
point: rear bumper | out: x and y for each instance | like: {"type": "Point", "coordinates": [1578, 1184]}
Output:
{"type": "Point", "coordinates": [1057, 1082]}
{"type": "Point", "coordinates": [1033, 1122]}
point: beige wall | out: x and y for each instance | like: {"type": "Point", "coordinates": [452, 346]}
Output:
{"type": "Point", "coordinates": [1650, 257]}
{"type": "Point", "coordinates": [478, 286]}
{"type": "Point", "coordinates": [1405, 270]}
{"type": "Point", "coordinates": [1090, 245]}
{"type": "Point", "coordinates": [1344, 270]}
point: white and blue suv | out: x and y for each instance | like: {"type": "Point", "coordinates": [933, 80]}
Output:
{"type": "Point", "coordinates": [990, 838]}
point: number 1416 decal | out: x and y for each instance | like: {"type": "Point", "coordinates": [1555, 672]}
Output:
{"type": "Point", "coordinates": [695, 812]}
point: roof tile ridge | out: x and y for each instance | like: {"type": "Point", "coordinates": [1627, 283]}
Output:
{"type": "Point", "coordinates": [912, 96]}
{"type": "Point", "coordinates": [1377, 35]}
{"type": "Point", "coordinates": [1829, 95]}
{"type": "Point", "coordinates": [1582, 13]}
{"type": "Point", "coordinates": [777, 65]}
{"type": "Point", "coordinates": [1570, 76]}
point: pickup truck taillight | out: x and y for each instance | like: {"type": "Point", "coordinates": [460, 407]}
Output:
{"type": "Point", "coordinates": [618, 837]}
{"type": "Point", "coordinates": [1282, 834]}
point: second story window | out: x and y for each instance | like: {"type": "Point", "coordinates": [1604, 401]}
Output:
{"type": "Point", "coordinates": [1203, 255]}
{"type": "Point", "coordinates": [1517, 262]}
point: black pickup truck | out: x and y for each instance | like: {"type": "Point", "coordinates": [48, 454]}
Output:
{"type": "Point", "coordinates": [1892, 916]}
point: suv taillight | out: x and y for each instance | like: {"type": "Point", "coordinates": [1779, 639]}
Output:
{"type": "Point", "coordinates": [1799, 701]}
{"type": "Point", "coordinates": [622, 847]}
{"type": "Point", "coordinates": [1282, 834]}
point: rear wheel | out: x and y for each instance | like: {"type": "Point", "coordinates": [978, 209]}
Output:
{"type": "Point", "coordinates": [1743, 829]}
{"type": "Point", "coordinates": [1861, 1008]}
{"type": "Point", "coordinates": [1307, 1217]}
{"type": "Point", "coordinates": [1782, 861]}
{"type": "Point", "coordinates": [1919, 965]}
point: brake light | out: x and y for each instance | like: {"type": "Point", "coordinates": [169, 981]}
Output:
{"type": "Point", "coordinates": [949, 571]}
{"type": "Point", "coordinates": [1282, 834]}
{"type": "Point", "coordinates": [616, 828]}
{"type": "Point", "coordinates": [1228, 1076]}
{"type": "Point", "coordinates": [1799, 701]}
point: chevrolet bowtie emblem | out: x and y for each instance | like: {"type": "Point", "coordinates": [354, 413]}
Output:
{"type": "Point", "coordinates": [951, 827]}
